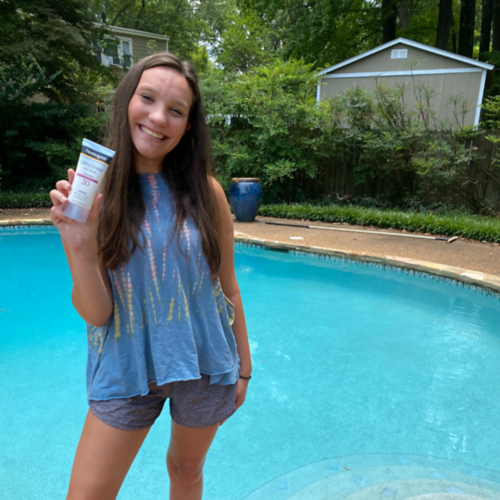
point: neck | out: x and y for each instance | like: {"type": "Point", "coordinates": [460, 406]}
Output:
{"type": "Point", "coordinates": [147, 166]}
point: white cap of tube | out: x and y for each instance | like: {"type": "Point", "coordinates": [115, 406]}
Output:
{"type": "Point", "coordinates": [75, 212]}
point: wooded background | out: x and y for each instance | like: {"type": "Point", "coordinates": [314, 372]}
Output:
{"type": "Point", "coordinates": [257, 60]}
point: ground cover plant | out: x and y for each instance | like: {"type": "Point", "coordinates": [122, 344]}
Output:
{"type": "Point", "coordinates": [474, 227]}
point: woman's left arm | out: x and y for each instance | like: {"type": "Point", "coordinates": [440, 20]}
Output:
{"type": "Point", "coordinates": [231, 289]}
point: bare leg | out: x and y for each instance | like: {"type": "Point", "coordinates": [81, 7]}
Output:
{"type": "Point", "coordinates": [103, 458]}
{"type": "Point", "coordinates": [185, 459]}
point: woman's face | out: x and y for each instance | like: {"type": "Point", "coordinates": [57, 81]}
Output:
{"type": "Point", "coordinates": [158, 116]}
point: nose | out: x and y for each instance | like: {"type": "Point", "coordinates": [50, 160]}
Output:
{"type": "Point", "coordinates": [158, 116]}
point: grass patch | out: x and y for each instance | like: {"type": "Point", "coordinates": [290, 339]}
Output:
{"type": "Point", "coordinates": [25, 200]}
{"type": "Point", "coordinates": [473, 227]}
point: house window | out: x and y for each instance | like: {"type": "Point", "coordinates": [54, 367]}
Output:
{"type": "Point", "coordinates": [399, 54]}
{"type": "Point", "coordinates": [118, 54]}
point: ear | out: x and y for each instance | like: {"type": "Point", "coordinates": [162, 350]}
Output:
{"type": "Point", "coordinates": [188, 127]}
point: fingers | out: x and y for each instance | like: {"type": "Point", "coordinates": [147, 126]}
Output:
{"type": "Point", "coordinates": [59, 197]}
{"type": "Point", "coordinates": [59, 204]}
{"type": "Point", "coordinates": [64, 187]}
{"type": "Point", "coordinates": [241, 392]}
{"type": "Point", "coordinates": [94, 211]}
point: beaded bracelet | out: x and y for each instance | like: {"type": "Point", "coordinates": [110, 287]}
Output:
{"type": "Point", "coordinates": [246, 378]}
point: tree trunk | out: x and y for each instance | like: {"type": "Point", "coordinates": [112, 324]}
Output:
{"type": "Point", "coordinates": [486, 17]}
{"type": "Point", "coordinates": [404, 15]}
{"type": "Point", "coordinates": [445, 22]}
{"type": "Point", "coordinates": [389, 18]}
{"type": "Point", "coordinates": [466, 31]}
{"type": "Point", "coordinates": [139, 15]}
{"type": "Point", "coordinates": [496, 25]}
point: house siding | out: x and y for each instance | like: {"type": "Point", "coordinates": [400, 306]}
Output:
{"type": "Point", "coordinates": [417, 59]}
{"type": "Point", "coordinates": [140, 47]}
{"type": "Point", "coordinates": [444, 87]}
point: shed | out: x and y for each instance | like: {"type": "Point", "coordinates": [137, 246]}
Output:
{"type": "Point", "coordinates": [412, 64]}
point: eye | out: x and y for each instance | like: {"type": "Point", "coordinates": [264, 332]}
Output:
{"type": "Point", "coordinates": [146, 97]}
{"type": "Point", "coordinates": [177, 111]}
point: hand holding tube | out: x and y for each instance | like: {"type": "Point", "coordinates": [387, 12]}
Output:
{"type": "Point", "coordinates": [76, 236]}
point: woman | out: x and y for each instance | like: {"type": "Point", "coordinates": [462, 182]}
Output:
{"type": "Point", "coordinates": [153, 277]}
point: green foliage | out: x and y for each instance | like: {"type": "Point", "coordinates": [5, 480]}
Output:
{"type": "Point", "coordinates": [25, 200]}
{"type": "Point", "coordinates": [190, 25]}
{"type": "Point", "coordinates": [491, 107]}
{"type": "Point", "coordinates": [245, 43]}
{"type": "Point", "coordinates": [39, 141]}
{"type": "Point", "coordinates": [60, 36]}
{"type": "Point", "coordinates": [37, 150]}
{"type": "Point", "coordinates": [266, 123]}
{"type": "Point", "coordinates": [467, 226]}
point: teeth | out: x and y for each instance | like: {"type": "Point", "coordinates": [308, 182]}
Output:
{"type": "Point", "coordinates": [151, 133]}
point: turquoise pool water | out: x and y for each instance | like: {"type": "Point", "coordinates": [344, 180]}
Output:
{"type": "Point", "coordinates": [368, 383]}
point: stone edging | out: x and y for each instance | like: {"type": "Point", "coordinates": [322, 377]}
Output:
{"type": "Point", "coordinates": [26, 222]}
{"type": "Point", "coordinates": [487, 281]}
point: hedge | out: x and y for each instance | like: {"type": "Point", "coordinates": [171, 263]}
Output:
{"type": "Point", "coordinates": [472, 227]}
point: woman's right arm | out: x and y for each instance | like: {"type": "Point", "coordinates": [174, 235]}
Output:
{"type": "Point", "coordinates": [92, 295]}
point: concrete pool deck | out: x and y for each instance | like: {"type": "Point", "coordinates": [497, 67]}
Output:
{"type": "Point", "coordinates": [472, 262]}
{"type": "Point", "coordinates": [468, 261]}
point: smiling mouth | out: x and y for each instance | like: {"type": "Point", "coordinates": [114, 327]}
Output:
{"type": "Point", "coordinates": [151, 133]}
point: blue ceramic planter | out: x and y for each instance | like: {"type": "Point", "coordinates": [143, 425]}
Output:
{"type": "Point", "coordinates": [245, 196]}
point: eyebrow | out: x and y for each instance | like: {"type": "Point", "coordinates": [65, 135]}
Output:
{"type": "Point", "coordinates": [149, 88]}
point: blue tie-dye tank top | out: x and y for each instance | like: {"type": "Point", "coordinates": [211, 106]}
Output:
{"type": "Point", "coordinates": [170, 322]}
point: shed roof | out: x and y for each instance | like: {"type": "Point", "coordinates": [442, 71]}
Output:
{"type": "Point", "coordinates": [411, 43]}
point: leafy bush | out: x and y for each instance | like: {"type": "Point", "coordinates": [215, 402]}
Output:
{"type": "Point", "coordinates": [266, 123]}
{"type": "Point", "coordinates": [466, 226]}
{"type": "Point", "coordinates": [25, 200]}
{"type": "Point", "coordinates": [39, 141]}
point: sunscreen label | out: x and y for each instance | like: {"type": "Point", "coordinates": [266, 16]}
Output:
{"type": "Point", "coordinates": [90, 171]}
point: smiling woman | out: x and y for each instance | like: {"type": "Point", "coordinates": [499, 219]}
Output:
{"type": "Point", "coordinates": [158, 116]}
{"type": "Point", "coordinates": [153, 278]}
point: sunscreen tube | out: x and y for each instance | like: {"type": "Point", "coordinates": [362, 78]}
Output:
{"type": "Point", "coordinates": [92, 165]}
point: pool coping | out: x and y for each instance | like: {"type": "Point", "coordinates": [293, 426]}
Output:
{"type": "Point", "coordinates": [483, 280]}
{"type": "Point", "coordinates": [489, 282]}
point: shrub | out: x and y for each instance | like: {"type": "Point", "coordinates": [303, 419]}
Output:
{"type": "Point", "coordinates": [466, 226]}
{"type": "Point", "coordinates": [25, 200]}
{"type": "Point", "coordinates": [266, 123]}
{"type": "Point", "coordinates": [39, 141]}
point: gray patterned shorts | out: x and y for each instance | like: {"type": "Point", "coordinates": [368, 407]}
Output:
{"type": "Point", "coordinates": [193, 403]}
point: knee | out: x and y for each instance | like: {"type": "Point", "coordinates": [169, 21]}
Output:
{"type": "Point", "coordinates": [184, 471]}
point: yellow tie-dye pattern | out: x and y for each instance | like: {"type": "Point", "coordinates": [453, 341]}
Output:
{"type": "Point", "coordinates": [130, 303]}
{"type": "Point", "coordinates": [164, 262]}
{"type": "Point", "coordinates": [152, 259]}
{"type": "Point", "coordinates": [171, 309]}
{"type": "Point", "coordinates": [186, 308]}
{"type": "Point", "coordinates": [116, 314]}
{"type": "Point", "coordinates": [96, 338]}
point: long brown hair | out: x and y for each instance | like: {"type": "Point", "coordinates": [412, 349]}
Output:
{"type": "Point", "coordinates": [186, 169]}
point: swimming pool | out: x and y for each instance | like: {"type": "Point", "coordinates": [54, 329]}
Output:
{"type": "Point", "coordinates": [367, 383]}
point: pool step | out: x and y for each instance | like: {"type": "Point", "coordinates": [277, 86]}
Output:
{"type": "Point", "coordinates": [383, 477]}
